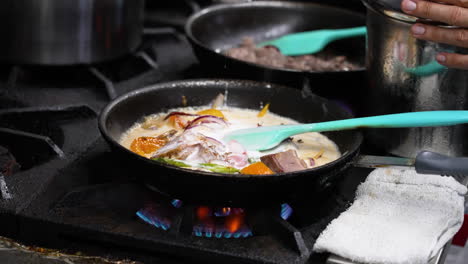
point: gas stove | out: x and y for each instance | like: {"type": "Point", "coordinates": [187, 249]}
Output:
{"type": "Point", "coordinates": [62, 187]}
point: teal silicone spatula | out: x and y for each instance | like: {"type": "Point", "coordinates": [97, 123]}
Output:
{"type": "Point", "coordinates": [428, 69]}
{"type": "Point", "coordinates": [310, 42]}
{"type": "Point", "coordinates": [263, 138]}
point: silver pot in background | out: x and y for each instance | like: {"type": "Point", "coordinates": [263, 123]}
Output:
{"type": "Point", "coordinates": [403, 76]}
{"type": "Point", "coordinates": [65, 32]}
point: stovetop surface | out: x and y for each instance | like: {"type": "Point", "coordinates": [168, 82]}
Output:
{"type": "Point", "coordinates": [71, 193]}
{"type": "Point", "coordinates": [96, 205]}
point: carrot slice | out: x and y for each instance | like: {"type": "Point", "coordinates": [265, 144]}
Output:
{"type": "Point", "coordinates": [213, 112]}
{"type": "Point", "coordinates": [264, 110]}
{"type": "Point", "coordinates": [145, 145]}
{"type": "Point", "coordinates": [258, 168]}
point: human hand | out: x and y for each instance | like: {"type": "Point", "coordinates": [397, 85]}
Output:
{"type": "Point", "coordinates": [451, 12]}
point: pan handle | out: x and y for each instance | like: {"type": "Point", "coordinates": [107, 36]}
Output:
{"type": "Point", "coordinates": [428, 162]}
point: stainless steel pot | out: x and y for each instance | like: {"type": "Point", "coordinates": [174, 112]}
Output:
{"type": "Point", "coordinates": [403, 76]}
{"type": "Point", "coordinates": [63, 32]}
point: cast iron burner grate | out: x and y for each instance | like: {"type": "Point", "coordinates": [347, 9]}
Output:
{"type": "Point", "coordinates": [98, 82]}
{"type": "Point", "coordinates": [104, 75]}
{"type": "Point", "coordinates": [39, 141]}
{"type": "Point", "coordinates": [34, 134]}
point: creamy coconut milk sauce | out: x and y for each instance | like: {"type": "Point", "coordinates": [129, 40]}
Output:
{"type": "Point", "coordinates": [308, 145]}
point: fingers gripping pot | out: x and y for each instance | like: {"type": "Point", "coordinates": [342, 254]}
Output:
{"type": "Point", "coordinates": [403, 76]}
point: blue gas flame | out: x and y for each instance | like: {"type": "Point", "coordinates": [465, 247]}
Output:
{"type": "Point", "coordinates": [150, 216]}
{"type": "Point", "coordinates": [176, 203]}
{"type": "Point", "coordinates": [153, 220]}
{"type": "Point", "coordinates": [286, 211]}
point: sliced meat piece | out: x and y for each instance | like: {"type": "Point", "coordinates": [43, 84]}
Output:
{"type": "Point", "coordinates": [192, 147]}
{"type": "Point", "coordinates": [286, 161]}
{"type": "Point", "coordinates": [237, 156]}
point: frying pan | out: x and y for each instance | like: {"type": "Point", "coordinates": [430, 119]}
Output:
{"type": "Point", "coordinates": [227, 189]}
{"type": "Point", "coordinates": [218, 28]}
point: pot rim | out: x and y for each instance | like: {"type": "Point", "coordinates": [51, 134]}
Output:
{"type": "Point", "coordinates": [387, 11]}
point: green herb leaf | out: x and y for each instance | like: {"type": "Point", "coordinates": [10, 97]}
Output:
{"type": "Point", "coordinates": [172, 162]}
{"type": "Point", "coordinates": [252, 160]}
{"type": "Point", "coordinates": [208, 166]}
{"type": "Point", "coordinates": [219, 168]}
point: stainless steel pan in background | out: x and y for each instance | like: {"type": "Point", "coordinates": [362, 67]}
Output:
{"type": "Point", "coordinates": [58, 32]}
{"type": "Point", "coordinates": [220, 27]}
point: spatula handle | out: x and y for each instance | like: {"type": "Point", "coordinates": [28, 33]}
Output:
{"type": "Point", "coordinates": [415, 119]}
{"type": "Point", "coordinates": [347, 33]}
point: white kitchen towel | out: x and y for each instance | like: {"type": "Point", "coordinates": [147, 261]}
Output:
{"type": "Point", "coordinates": [398, 216]}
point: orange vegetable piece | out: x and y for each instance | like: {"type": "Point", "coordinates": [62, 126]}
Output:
{"type": "Point", "coordinates": [319, 154]}
{"type": "Point", "coordinates": [145, 145]}
{"type": "Point", "coordinates": [264, 110]}
{"type": "Point", "coordinates": [213, 112]}
{"type": "Point", "coordinates": [258, 168]}
{"type": "Point", "coordinates": [177, 122]}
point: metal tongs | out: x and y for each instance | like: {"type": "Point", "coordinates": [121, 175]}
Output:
{"type": "Point", "coordinates": [426, 162]}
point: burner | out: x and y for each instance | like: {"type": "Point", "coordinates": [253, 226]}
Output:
{"type": "Point", "coordinates": [206, 221]}
{"type": "Point", "coordinates": [222, 222]}
{"type": "Point", "coordinates": [218, 222]}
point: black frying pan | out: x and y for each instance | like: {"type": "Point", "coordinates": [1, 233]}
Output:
{"type": "Point", "coordinates": [217, 28]}
{"type": "Point", "coordinates": [225, 189]}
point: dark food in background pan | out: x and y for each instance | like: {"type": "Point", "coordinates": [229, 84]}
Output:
{"type": "Point", "coordinates": [271, 56]}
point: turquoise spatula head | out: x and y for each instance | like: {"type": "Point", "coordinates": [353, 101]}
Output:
{"type": "Point", "coordinates": [312, 41]}
{"type": "Point", "coordinates": [428, 69]}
